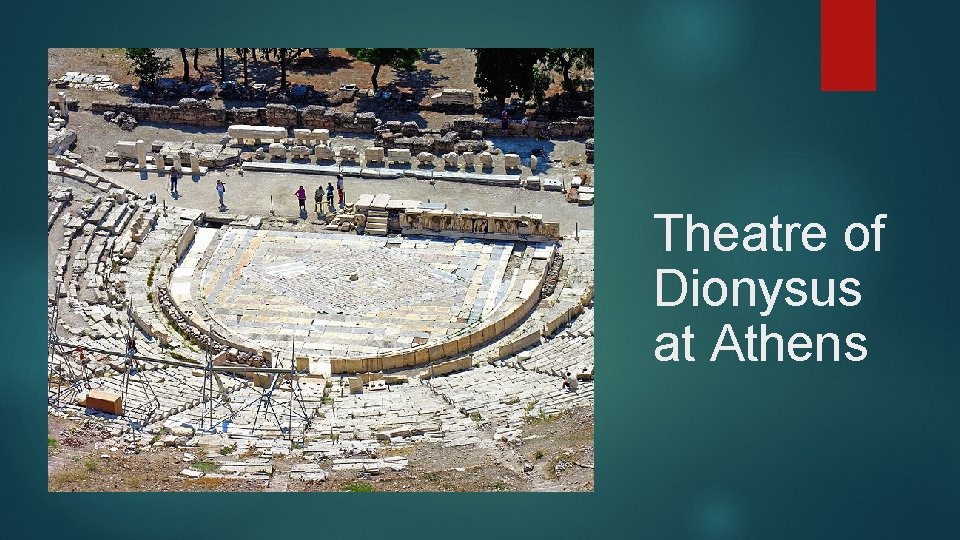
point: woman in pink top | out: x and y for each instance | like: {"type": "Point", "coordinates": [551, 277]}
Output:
{"type": "Point", "coordinates": [302, 197]}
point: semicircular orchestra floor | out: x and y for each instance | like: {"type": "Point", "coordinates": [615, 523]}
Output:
{"type": "Point", "coordinates": [350, 296]}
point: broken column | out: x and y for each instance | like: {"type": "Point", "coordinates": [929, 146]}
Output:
{"type": "Point", "coordinates": [62, 101]}
{"type": "Point", "coordinates": [141, 154]}
{"type": "Point", "coordinates": [194, 163]}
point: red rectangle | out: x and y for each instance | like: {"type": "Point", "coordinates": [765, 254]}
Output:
{"type": "Point", "coordinates": [848, 45]}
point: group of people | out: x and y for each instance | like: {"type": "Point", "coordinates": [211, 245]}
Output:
{"type": "Point", "coordinates": [301, 193]}
{"type": "Point", "coordinates": [175, 176]}
{"type": "Point", "coordinates": [318, 195]}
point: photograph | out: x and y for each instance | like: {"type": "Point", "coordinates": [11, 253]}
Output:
{"type": "Point", "coordinates": [320, 269]}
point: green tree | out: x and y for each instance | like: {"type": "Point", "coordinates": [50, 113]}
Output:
{"type": "Point", "coordinates": [147, 66]}
{"type": "Point", "coordinates": [562, 60]}
{"type": "Point", "coordinates": [396, 58]}
{"type": "Point", "coordinates": [501, 72]}
{"type": "Point", "coordinates": [541, 82]}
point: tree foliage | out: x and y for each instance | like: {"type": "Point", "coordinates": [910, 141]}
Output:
{"type": "Point", "coordinates": [403, 59]}
{"type": "Point", "coordinates": [562, 60]}
{"type": "Point", "coordinates": [147, 66]}
{"type": "Point", "coordinates": [501, 72]}
{"type": "Point", "coordinates": [541, 82]}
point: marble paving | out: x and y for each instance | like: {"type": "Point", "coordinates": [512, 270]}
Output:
{"type": "Point", "coordinates": [344, 295]}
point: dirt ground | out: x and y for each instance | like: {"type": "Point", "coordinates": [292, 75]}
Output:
{"type": "Point", "coordinates": [438, 68]}
{"type": "Point", "coordinates": [452, 68]}
{"type": "Point", "coordinates": [555, 455]}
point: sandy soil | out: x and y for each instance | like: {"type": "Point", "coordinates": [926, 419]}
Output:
{"type": "Point", "coordinates": [556, 455]}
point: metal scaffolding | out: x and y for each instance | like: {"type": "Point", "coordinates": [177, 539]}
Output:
{"type": "Point", "coordinates": [142, 414]}
{"type": "Point", "coordinates": [212, 391]}
{"type": "Point", "coordinates": [70, 380]}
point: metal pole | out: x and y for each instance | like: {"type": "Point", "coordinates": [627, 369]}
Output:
{"type": "Point", "coordinates": [177, 363]}
{"type": "Point", "coordinates": [293, 365]}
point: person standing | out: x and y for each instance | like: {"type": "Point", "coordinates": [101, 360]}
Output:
{"type": "Point", "coordinates": [504, 120]}
{"type": "Point", "coordinates": [173, 182]}
{"type": "Point", "coordinates": [221, 189]}
{"type": "Point", "coordinates": [318, 198]}
{"type": "Point", "coordinates": [340, 193]}
{"type": "Point", "coordinates": [330, 196]}
{"type": "Point", "coordinates": [302, 199]}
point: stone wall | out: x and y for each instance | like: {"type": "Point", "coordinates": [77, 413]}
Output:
{"type": "Point", "coordinates": [199, 113]}
{"type": "Point", "coordinates": [495, 225]}
{"type": "Point", "coordinates": [195, 112]}
{"type": "Point", "coordinates": [522, 299]}
{"type": "Point", "coordinates": [580, 128]}
{"type": "Point", "coordinates": [450, 366]}
{"type": "Point", "coordinates": [474, 337]}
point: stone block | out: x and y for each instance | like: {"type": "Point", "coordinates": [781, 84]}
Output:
{"type": "Point", "coordinates": [241, 132]}
{"type": "Point", "coordinates": [321, 135]}
{"type": "Point", "coordinates": [425, 158]}
{"type": "Point", "coordinates": [398, 155]}
{"type": "Point", "coordinates": [348, 153]}
{"type": "Point", "coordinates": [452, 159]}
{"type": "Point", "coordinates": [511, 161]}
{"type": "Point", "coordinates": [486, 159]}
{"type": "Point", "coordinates": [323, 152]}
{"type": "Point", "coordinates": [552, 184]}
{"type": "Point", "coordinates": [303, 136]}
{"type": "Point", "coordinates": [303, 363]}
{"type": "Point", "coordinates": [107, 402]}
{"type": "Point", "coordinates": [410, 129]}
{"type": "Point", "coordinates": [373, 154]}
{"type": "Point", "coordinates": [126, 149]}
{"type": "Point", "coordinates": [278, 150]}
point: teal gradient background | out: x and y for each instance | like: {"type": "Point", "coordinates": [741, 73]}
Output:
{"type": "Point", "coordinates": [703, 106]}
